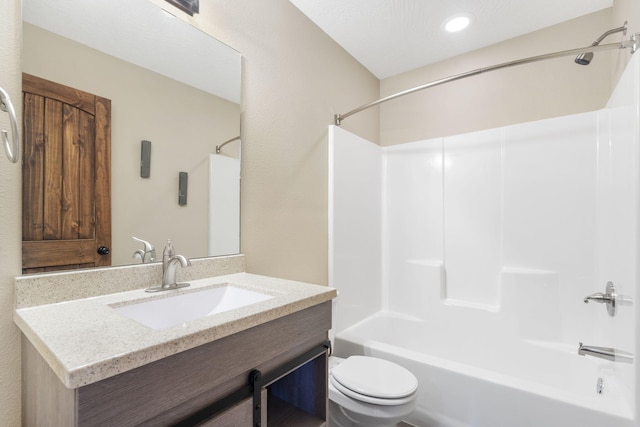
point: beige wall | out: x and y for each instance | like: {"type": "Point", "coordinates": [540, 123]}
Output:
{"type": "Point", "coordinates": [184, 125]}
{"type": "Point", "coordinates": [514, 95]}
{"type": "Point", "coordinates": [10, 232]}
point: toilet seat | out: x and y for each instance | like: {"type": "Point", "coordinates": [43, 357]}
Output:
{"type": "Point", "coordinates": [375, 381]}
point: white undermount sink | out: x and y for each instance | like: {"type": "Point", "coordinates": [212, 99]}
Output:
{"type": "Point", "coordinates": [174, 310]}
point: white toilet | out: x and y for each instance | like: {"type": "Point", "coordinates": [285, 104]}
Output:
{"type": "Point", "coordinates": [367, 391]}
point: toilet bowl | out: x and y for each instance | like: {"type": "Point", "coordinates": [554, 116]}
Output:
{"type": "Point", "coordinates": [367, 391]}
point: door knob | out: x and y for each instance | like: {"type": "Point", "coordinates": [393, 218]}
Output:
{"type": "Point", "coordinates": [103, 250]}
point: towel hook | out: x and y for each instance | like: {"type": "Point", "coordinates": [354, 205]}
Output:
{"type": "Point", "coordinates": [12, 148]}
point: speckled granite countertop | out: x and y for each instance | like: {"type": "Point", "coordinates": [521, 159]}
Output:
{"type": "Point", "coordinates": [86, 340]}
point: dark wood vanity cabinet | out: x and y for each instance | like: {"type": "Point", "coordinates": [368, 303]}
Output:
{"type": "Point", "coordinates": [300, 397]}
{"type": "Point", "coordinates": [171, 390]}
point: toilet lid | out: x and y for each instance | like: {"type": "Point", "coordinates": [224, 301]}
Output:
{"type": "Point", "coordinates": [373, 377]}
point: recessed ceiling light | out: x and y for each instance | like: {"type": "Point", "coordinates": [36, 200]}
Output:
{"type": "Point", "coordinates": [457, 23]}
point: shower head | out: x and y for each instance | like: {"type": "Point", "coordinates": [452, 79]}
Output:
{"type": "Point", "coordinates": [587, 57]}
{"type": "Point", "coordinates": [584, 58]}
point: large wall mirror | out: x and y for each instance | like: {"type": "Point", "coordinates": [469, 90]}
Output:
{"type": "Point", "coordinates": [169, 83]}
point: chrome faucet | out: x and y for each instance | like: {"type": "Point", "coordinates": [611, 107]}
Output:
{"type": "Point", "coordinates": [148, 254]}
{"type": "Point", "coordinates": [167, 253]}
{"type": "Point", "coordinates": [605, 353]}
{"type": "Point", "coordinates": [169, 274]}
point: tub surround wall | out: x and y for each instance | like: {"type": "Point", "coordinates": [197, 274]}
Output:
{"type": "Point", "coordinates": [355, 216]}
{"type": "Point", "coordinates": [619, 205]}
{"type": "Point", "coordinates": [224, 205]}
{"type": "Point", "coordinates": [500, 234]}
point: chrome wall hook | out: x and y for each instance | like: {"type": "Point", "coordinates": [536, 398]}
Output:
{"type": "Point", "coordinates": [11, 146]}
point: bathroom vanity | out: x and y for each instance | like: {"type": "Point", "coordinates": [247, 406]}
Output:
{"type": "Point", "coordinates": [86, 364]}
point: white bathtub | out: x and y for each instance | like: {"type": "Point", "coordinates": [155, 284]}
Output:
{"type": "Point", "coordinates": [470, 377]}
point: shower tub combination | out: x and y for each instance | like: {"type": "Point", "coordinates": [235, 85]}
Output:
{"type": "Point", "coordinates": [467, 259]}
{"type": "Point", "coordinates": [466, 380]}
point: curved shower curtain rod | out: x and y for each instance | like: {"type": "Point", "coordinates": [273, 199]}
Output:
{"type": "Point", "coordinates": [631, 43]}
{"type": "Point", "coordinates": [219, 147]}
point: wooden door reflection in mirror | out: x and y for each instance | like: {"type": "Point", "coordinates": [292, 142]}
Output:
{"type": "Point", "coordinates": [66, 206]}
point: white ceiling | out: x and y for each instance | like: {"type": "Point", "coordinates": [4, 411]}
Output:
{"type": "Point", "coordinates": [390, 37]}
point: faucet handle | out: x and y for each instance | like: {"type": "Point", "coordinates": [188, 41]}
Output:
{"type": "Point", "coordinates": [597, 297]}
{"type": "Point", "coordinates": [148, 249]}
{"type": "Point", "coordinates": [609, 298]}
{"type": "Point", "coordinates": [138, 254]}
{"type": "Point", "coordinates": [147, 246]}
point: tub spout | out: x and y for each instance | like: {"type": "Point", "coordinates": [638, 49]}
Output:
{"type": "Point", "coordinates": [605, 353]}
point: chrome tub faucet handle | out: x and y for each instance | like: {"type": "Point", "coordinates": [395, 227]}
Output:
{"type": "Point", "coordinates": [597, 297]}
{"type": "Point", "coordinates": [608, 297]}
